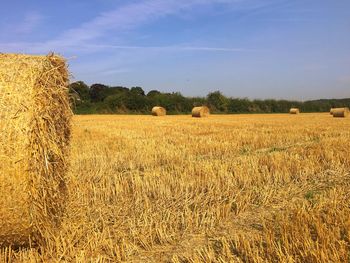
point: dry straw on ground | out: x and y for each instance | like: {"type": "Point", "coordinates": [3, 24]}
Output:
{"type": "Point", "coordinates": [158, 111]}
{"type": "Point", "coordinates": [34, 133]}
{"type": "Point", "coordinates": [340, 112]}
{"type": "Point", "coordinates": [204, 191]}
{"type": "Point", "coordinates": [199, 112]}
{"type": "Point", "coordinates": [294, 111]}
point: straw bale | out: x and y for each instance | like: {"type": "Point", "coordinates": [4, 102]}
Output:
{"type": "Point", "coordinates": [34, 133]}
{"type": "Point", "coordinates": [202, 111]}
{"type": "Point", "coordinates": [331, 111]}
{"type": "Point", "coordinates": [294, 111]}
{"type": "Point", "coordinates": [340, 112]}
{"type": "Point", "coordinates": [158, 111]}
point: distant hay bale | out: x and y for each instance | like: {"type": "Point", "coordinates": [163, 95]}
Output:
{"type": "Point", "coordinates": [202, 111]}
{"type": "Point", "coordinates": [294, 111]}
{"type": "Point", "coordinates": [331, 111]}
{"type": "Point", "coordinates": [340, 112]}
{"type": "Point", "coordinates": [34, 133]}
{"type": "Point", "coordinates": [158, 111]}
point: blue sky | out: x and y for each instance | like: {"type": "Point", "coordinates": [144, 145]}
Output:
{"type": "Point", "coordinates": [295, 49]}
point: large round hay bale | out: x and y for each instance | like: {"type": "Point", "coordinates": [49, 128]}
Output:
{"type": "Point", "coordinates": [158, 111]}
{"type": "Point", "coordinates": [34, 133]}
{"type": "Point", "coordinates": [202, 111]}
{"type": "Point", "coordinates": [341, 112]}
{"type": "Point", "coordinates": [294, 111]}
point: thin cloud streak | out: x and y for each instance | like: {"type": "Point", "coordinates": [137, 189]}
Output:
{"type": "Point", "coordinates": [114, 71]}
{"type": "Point", "coordinates": [171, 48]}
{"type": "Point", "coordinates": [22, 47]}
{"type": "Point", "coordinates": [121, 19]}
{"type": "Point", "coordinates": [19, 28]}
{"type": "Point", "coordinates": [31, 21]}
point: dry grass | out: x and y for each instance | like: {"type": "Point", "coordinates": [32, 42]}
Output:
{"type": "Point", "coordinates": [34, 133]}
{"type": "Point", "coordinates": [340, 112]}
{"type": "Point", "coordinates": [158, 111]}
{"type": "Point", "coordinates": [294, 111]}
{"type": "Point", "coordinates": [199, 112]}
{"type": "Point", "coordinates": [240, 188]}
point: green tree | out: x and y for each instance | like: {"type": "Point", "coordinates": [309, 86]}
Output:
{"type": "Point", "coordinates": [237, 105]}
{"type": "Point", "coordinates": [116, 90]}
{"type": "Point", "coordinates": [137, 91]}
{"type": "Point", "coordinates": [217, 101]}
{"type": "Point", "coordinates": [98, 92]}
{"type": "Point", "coordinates": [80, 88]}
{"type": "Point", "coordinates": [153, 93]}
{"type": "Point", "coordinates": [117, 102]}
{"type": "Point", "coordinates": [104, 99]}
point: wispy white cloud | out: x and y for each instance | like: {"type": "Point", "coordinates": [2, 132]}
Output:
{"type": "Point", "coordinates": [30, 22]}
{"type": "Point", "coordinates": [121, 19]}
{"type": "Point", "coordinates": [168, 48]}
{"type": "Point", "coordinates": [114, 71]}
{"type": "Point", "coordinates": [39, 48]}
{"type": "Point", "coordinates": [13, 30]}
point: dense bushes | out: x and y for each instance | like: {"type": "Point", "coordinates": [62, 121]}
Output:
{"type": "Point", "coordinates": [99, 98]}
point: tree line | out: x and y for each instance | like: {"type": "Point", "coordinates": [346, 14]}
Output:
{"type": "Point", "coordinates": [103, 99]}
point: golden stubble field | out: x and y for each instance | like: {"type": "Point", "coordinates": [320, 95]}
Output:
{"type": "Point", "coordinates": [228, 188]}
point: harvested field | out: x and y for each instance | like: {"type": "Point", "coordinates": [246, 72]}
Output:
{"type": "Point", "coordinates": [238, 188]}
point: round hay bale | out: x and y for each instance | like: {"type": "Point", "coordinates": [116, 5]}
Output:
{"type": "Point", "coordinates": [341, 112]}
{"type": "Point", "coordinates": [294, 111]}
{"type": "Point", "coordinates": [34, 132]}
{"type": "Point", "coordinates": [202, 111]}
{"type": "Point", "coordinates": [158, 111]}
{"type": "Point", "coordinates": [331, 111]}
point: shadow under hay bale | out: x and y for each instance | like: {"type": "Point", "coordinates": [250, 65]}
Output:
{"type": "Point", "coordinates": [294, 111]}
{"type": "Point", "coordinates": [158, 111]}
{"type": "Point", "coordinates": [340, 112]}
{"type": "Point", "coordinates": [199, 112]}
{"type": "Point", "coordinates": [34, 132]}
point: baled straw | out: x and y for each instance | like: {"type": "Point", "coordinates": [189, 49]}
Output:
{"type": "Point", "coordinates": [294, 111]}
{"type": "Point", "coordinates": [34, 132]}
{"type": "Point", "coordinates": [158, 111]}
{"type": "Point", "coordinates": [202, 111]}
{"type": "Point", "coordinates": [341, 112]}
{"type": "Point", "coordinates": [331, 111]}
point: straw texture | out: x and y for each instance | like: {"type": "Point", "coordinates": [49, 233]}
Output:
{"type": "Point", "coordinates": [199, 112]}
{"type": "Point", "coordinates": [294, 111]}
{"type": "Point", "coordinates": [340, 112]}
{"type": "Point", "coordinates": [158, 111]}
{"type": "Point", "coordinates": [34, 133]}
